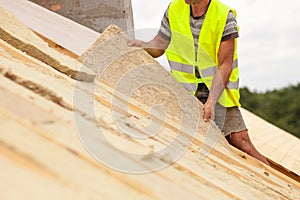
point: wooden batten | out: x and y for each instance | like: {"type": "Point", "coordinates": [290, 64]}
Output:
{"type": "Point", "coordinates": [65, 32]}
{"type": "Point", "coordinates": [57, 47]}
{"type": "Point", "coordinates": [21, 37]}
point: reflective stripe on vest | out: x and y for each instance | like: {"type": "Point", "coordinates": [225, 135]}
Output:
{"type": "Point", "coordinates": [212, 70]}
{"type": "Point", "coordinates": [191, 87]}
{"type": "Point", "coordinates": [182, 67]}
{"type": "Point", "coordinates": [181, 72]}
{"type": "Point", "coordinates": [181, 52]}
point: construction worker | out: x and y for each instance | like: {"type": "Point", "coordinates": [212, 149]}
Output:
{"type": "Point", "coordinates": [199, 38]}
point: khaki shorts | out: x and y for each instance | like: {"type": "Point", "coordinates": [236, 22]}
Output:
{"type": "Point", "coordinates": [229, 120]}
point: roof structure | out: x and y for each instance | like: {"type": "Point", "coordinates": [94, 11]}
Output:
{"type": "Point", "coordinates": [276, 144]}
{"type": "Point", "coordinates": [53, 108]}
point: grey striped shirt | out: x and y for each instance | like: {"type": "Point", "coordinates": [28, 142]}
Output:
{"type": "Point", "coordinates": [230, 30]}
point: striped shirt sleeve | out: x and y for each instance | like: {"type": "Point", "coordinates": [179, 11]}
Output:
{"type": "Point", "coordinates": [231, 28]}
{"type": "Point", "coordinates": [165, 31]}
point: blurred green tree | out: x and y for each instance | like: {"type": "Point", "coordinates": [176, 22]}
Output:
{"type": "Point", "coordinates": [279, 107]}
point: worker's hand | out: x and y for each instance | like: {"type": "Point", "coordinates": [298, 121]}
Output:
{"type": "Point", "coordinates": [209, 111]}
{"type": "Point", "coordinates": [136, 43]}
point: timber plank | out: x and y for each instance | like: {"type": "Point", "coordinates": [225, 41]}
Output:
{"type": "Point", "coordinates": [21, 37]}
{"type": "Point", "coordinates": [21, 183]}
{"type": "Point", "coordinates": [57, 47]}
{"type": "Point", "coordinates": [61, 162]}
{"type": "Point", "coordinates": [63, 31]}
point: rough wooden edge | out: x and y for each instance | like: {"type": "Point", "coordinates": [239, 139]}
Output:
{"type": "Point", "coordinates": [36, 47]}
{"type": "Point", "coordinates": [57, 47]}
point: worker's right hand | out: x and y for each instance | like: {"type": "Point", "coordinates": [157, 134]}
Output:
{"type": "Point", "coordinates": [208, 111]}
{"type": "Point", "coordinates": [136, 43]}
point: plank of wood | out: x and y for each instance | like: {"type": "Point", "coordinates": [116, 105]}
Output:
{"type": "Point", "coordinates": [57, 162]}
{"type": "Point", "coordinates": [57, 47]}
{"type": "Point", "coordinates": [21, 37]}
{"type": "Point", "coordinates": [63, 31]}
{"type": "Point", "coordinates": [29, 184]}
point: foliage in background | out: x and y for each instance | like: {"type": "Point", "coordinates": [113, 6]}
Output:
{"type": "Point", "coordinates": [279, 107]}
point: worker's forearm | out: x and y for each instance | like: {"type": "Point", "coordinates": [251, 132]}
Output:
{"type": "Point", "coordinates": [222, 75]}
{"type": "Point", "coordinates": [155, 53]}
{"type": "Point", "coordinates": [219, 83]}
{"type": "Point", "coordinates": [155, 47]}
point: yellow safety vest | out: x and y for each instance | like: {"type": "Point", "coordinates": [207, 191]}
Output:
{"type": "Point", "coordinates": [181, 51]}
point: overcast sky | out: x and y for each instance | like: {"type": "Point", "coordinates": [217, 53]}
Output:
{"type": "Point", "coordinates": [269, 43]}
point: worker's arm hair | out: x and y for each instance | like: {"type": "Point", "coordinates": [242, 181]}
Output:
{"type": "Point", "coordinates": [221, 78]}
{"type": "Point", "coordinates": [155, 47]}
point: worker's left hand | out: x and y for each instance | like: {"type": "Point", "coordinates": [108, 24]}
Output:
{"type": "Point", "coordinates": [136, 43]}
{"type": "Point", "coordinates": [209, 111]}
